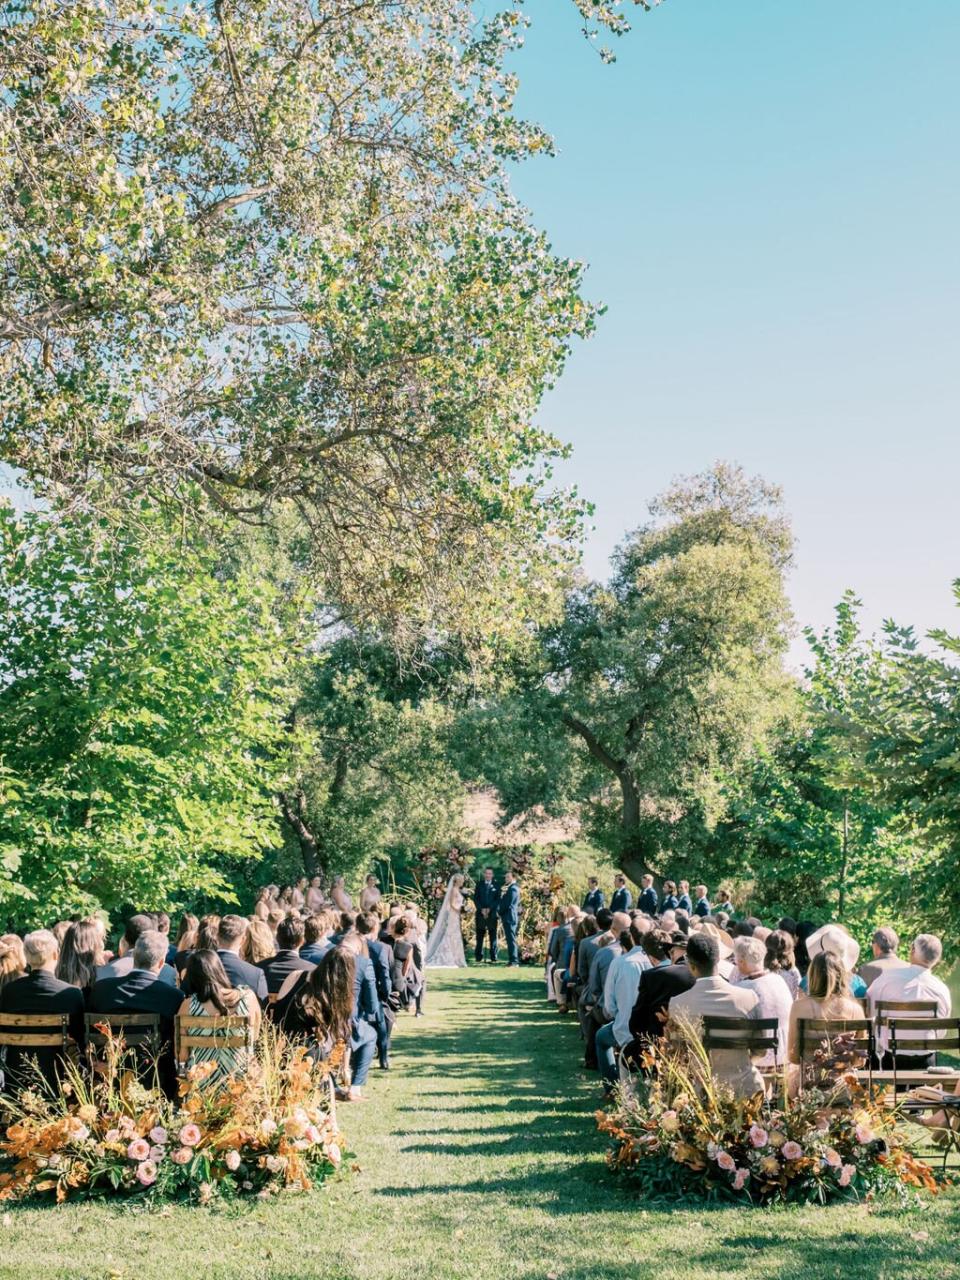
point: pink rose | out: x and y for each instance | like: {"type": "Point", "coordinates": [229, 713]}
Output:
{"type": "Point", "coordinates": [313, 1135]}
{"type": "Point", "coordinates": [182, 1155]}
{"type": "Point", "coordinates": [846, 1174]}
{"type": "Point", "coordinates": [832, 1158]}
{"type": "Point", "coordinates": [670, 1121]}
{"type": "Point", "coordinates": [726, 1161]}
{"type": "Point", "coordinates": [190, 1135]}
{"type": "Point", "coordinates": [157, 1152]}
{"type": "Point", "coordinates": [333, 1153]}
{"type": "Point", "coordinates": [758, 1136]}
{"type": "Point", "coordinates": [864, 1134]}
{"type": "Point", "coordinates": [158, 1135]}
{"type": "Point", "coordinates": [112, 1135]}
{"type": "Point", "coordinates": [232, 1161]}
{"type": "Point", "coordinates": [139, 1149]}
{"type": "Point", "coordinates": [146, 1173]}
{"type": "Point", "coordinates": [740, 1181]}
{"type": "Point", "coordinates": [792, 1151]}
{"type": "Point", "coordinates": [268, 1126]}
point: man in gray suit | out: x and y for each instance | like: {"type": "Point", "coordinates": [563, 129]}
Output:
{"type": "Point", "coordinates": [715, 996]}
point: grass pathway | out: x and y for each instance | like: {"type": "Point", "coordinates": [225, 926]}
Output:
{"type": "Point", "coordinates": [479, 1160]}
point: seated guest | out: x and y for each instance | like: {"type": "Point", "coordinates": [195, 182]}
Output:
{"type": "Point", "coordinates": [407, 976]}
{"type": "Point", "coordinates": [39, 991]}
{"type": "Point", "coordinates": [208, 933]}
{"type": "Point", "coordinates": [587, 949]}
{"type": "Point", "coordinates": [186, 940]}
{"type": "Point", "coordinates": [346, 924]}
{"type": "Point", "coordinates": [386, 929]}
{"type": "Point", "coordinates": [162, 922]}
{"type": "Point", "coordinates": [622, 899]}
{"type": "Point", "coordinates": [827, 997]}
{"type": "Point", "coordinates": [801, 933]}
{"type": "Point", "coordinates": [656, 989]}
{"type": "Point", "coordinates": [592, 995]}
{"type": "Point", "coordinates": [290, 935]}
{"type": "Point", "coordinates": [669, 901]}
{"type": "Point", "coordinates": [381, 957]}
{"type": "Point", "coordinates": [715, 996]}
{"type": "Point", "coordinates": [787, 924]}
{"type": "Point", "coordinates": [13, 963]}
{"type": "Point", "coordinates": [773, 995]}
{"type": "Point", "coordinates": [593, 901]}
{"type": "Point", "coordinates": [563, 970]}
{"type": "Point", "coordinates": [59, 930]}
{"type": "Point", "coordinates": [835, 938]}
{"type": "Point", "coordinates": [231, 932]}
{"type": "Point", "coordinates": [123, 963]}
{"type": "Point", "coordinates": [316, 1005]}
{"type": "Point", "coordinates": [81, 956]}
{"type": "Point", "coordinates": [684, 901]}
{"type": "Point", "coordinates": [725, 966]}
{"type": "Point", "coordinates": [885, 944]}
{"type": "Point", "coordinates": [701, 906]}
{"type": "Point", "coordinates": [215, 994]}
{"type": "Point", "coordinates": [316, 937]}
{"type": "Point", "coordinates": [619, 995]}
{"type": "Point", "coordinates": [140, 991]}
{"type": "Point", "coordinates": [915, 981]}
{"type": "Point", "coordinates": [779, 959]}
{"type": "Point", "coordinates": [648, 902]}
{"type": "Point", "coordinates": [258, 943]}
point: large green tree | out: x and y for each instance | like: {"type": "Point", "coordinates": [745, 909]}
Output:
{"type": "Point", "coordinates": [262, 253]}
{"type": "Point", "coordinates": [142, 696]}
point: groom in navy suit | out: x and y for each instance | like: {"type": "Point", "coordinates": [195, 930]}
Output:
{"type": "Point", "coordinates": [509, 909]}
{"type": "Point", "coordinates": [486, 897]}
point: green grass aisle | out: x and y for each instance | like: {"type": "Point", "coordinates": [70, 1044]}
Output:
{"type": "Point", "coordinates": [479, 1160]}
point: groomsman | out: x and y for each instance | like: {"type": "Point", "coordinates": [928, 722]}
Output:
{"type": "Point", "coordinates": [622, 899]}
{"type": "Point", "coordinates": [649, 902]}
{"type": "Point", "coordinates": [509, 911]}
{"type": "Point", "coordinates": [702, 905]}
{"type": "Point", "coordinates": [486, 897]}
{"type": "Point", "coordinates": [594, 901]}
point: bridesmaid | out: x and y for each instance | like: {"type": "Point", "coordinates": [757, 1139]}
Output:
{"type": "Point", "coordinates": [370, 896]}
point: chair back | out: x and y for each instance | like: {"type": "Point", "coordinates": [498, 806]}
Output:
{"type": "Point", "coordinates": [756, 1035]}
{"type": "Point", "coordinates": [821, 1035]}
{"type": "Point", "coordinates": [137, 1029]}
{"type": "Point", "coordinates": [903, 1009]}
{"type": "Point", "coordinates": [35, 1030]}
{"type": "Point", "coordinates": [941, 1034]}
{"type": "Point", "coordinates": [197, 1031]}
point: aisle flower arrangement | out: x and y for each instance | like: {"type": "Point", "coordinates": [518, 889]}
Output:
{"type": "Point", "coordinates": [272, 1130]}
{"type": "Point", "coordinates": [681, 1135]}
{"type": "Point", "coordinates": [541, 886]}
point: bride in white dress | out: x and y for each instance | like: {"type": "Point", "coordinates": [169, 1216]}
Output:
{"type": "Point", "coordinates": [445, 943]}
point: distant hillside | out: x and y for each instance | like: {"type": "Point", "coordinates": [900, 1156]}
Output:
{"type": "Point", "coordinates": [482, 812]}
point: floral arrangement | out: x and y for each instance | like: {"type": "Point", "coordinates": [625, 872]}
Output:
{"type": "Point", "coordinates": [273, 1129]}
{"type": "Point", "coordinates": [432, 868]}
{"type": "Point", "coordinates": [542, 885]}
{"type": "Point", "coordinates": [682, 1134]}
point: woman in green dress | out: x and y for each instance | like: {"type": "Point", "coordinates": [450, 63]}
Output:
{"type": "Point", "coordinates": [213, 997]}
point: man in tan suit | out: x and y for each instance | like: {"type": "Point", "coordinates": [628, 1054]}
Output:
{"type": "Point", "coordinates": [885, 943]}
{"type": "Point", "coordinates": [714, 996]}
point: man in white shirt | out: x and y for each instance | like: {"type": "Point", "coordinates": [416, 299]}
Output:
{"type": "Point", "coordinates": [773, 995]}
{"type": "Point", "coordinates": [619, 997]}
{"type": "Point", "coordinates": [914, 981]}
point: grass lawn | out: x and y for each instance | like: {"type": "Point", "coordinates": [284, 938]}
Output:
{"type": "Point", "coordinates": [478, 1160]}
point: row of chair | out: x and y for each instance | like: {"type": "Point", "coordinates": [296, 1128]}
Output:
{"type": "Point", "coordinates": [29, 1032]}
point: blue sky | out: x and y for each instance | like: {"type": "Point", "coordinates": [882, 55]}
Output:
{"type": "Point", "coordinates": [769, 200]}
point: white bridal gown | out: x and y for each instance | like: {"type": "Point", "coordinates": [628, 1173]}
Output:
{"type": "Point", "coordinates": [445, 943]}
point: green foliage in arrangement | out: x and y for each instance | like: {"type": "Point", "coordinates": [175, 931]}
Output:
{"type": "Point", "coordinates": [141, 703]}
{"type": "Point", "coordinates": [258, 255]}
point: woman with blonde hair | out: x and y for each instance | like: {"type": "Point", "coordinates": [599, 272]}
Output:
{"type": "Point", "coordinates": [13, 962]}
{"type": "Point", "coordinates": [826, 997]}
{"type": "Point", "coordinates": [259, 942]}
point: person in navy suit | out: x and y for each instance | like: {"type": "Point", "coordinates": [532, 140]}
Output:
{"type": "Point", "coordinates": [509, 912]}
{"type": "Point", "coordinates": [622, 899]}
{"type": "Point", "coordinates": [39, 991]}
{"type": "Point", "coordinates": [702, 905]}
{"type": "Point", "coordinates": [230, 935]}
{"type": "Point", "coordinates": [316, 940]}
{"type": "Point", "coordinates": [142, 991]}
{"type": "Point", "coordinates": [669, 901]}
{"type": "Point", "coordinates": [486, 897]}
{"type": "Point", "coordinates": [594, 901]}
{"type": "Point", "coordinates": [290, 936]}
{"type": "Point", "coordinates": [649, 902]}
{"type": "Point", "coordinates": [381, 957]}
{"type": "Point", "coordinates": [684, 901]}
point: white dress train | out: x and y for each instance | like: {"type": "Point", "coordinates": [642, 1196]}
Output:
{"type": "Point", "coordinates": [445, 943]}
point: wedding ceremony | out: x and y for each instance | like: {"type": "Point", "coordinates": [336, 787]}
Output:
{"type": "Point", "coordinates": [479, 640]}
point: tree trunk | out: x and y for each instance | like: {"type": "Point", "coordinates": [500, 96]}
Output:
{"type": "Point", "coordinates": [294, 809]}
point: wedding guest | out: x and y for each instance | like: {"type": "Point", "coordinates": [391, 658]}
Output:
{"type": "Point", "coordinates": [715, 996]}
{"type": "Point", "coordinates": [656, 989]}
{"type": "Point", "coordinates": [59, 930]}
{"type": "Point", "coordinates": [594, 900]}
{"type": "Point", "coordinates": [162, 921]}
{"type": "Point", "coordinates": [914, 981]}
{"type": "Point", "coordinates": [287, 960]}
{"type": "Point", "coordinates": [622, 899]}
{"type": "Point", "coordinates": [81, 956]}
{"type": "Point", "coordinates": [649, 902]}
{"type": "Point", "coordinates": [592, 997]}
{"type": "Point", "coordinates": [313, 899]}
{"type": "Point", "coordinates": [407, 974]}
{"type": "Point", "coordinates": [779, 959]}
{"type": "Point", "coordinates": [370, 896]}
{"type": "Point", "coordinates": [339, 896]}
{"type": "Point", "coordinates": [885, 943]}
{"type": "Point", "coordinates": [827, 996]}
{"type": "Point", "coordinates": [773, 995]}
{"type": "Point", "coordinates": [208, 933]}
{"type": "Point", "coordinates": [13, 963]}
{"type": "Point", "coordinates": [835, 938]}
{"type": "Point", "coordinates": [39, 991]}
{"type": "Point", "coordinates": [346, 924]}
{"type": "Point", "coordinates": [701, 906]}
{"type": "Point", "coordinates": [121, 966]}
{"type": "Point", "coordinates": [802, 932]}
{"type": "Point", "coordinates": [619, 997]}
{"type": "Point", "coordinates": [366, 1014]}
{"type": "Point", "coordinates": [258, 942]}
{"type": "Point", "coordinates": [587, 949]}
{"type": "Point", "coordinates": [381, 957]}
{"type": "Point", "coordinates": [316, 937]}
{"type": "Point", "coordinates": [316, 1005]}
{"type": "Point", "coordinates": [684, 901]}
{"type": "Point", "coordinates": [725, 965]}
{"type": "Point", "coordinates": [140, 991]}
{"type": "Point", "coordinates": [186, 940]}
{"type": "Point", "coordinates": [214, 994]}
{"type": "Point", "coordinates": [231, 932]}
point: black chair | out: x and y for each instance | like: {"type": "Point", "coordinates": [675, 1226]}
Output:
{"type": "Point", "coordinates": [839, 1042]}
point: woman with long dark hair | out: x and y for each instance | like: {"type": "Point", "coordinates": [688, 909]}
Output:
{"type": "Point", "coordinates": [81, 954]}
{"type": "Point", "coordinates": [187, 940]}
{"type": "Point", "coordinates": [316, 1005]}
{"type": "Point", "coordinates": [213, 997]}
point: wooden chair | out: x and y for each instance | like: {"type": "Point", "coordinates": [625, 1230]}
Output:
{"type": "Point", "coordinates": [759, 1036]}
{"type": "Point", "coordinates": [137, 1029]}
{"type": "Point", "coordinates": [26, 1031]}
{"type": "Point", "coordinates": [816, 1034]}
{"type": "Point", "coordinates": [196, 1031]}
{"type": "Point", "coordinates": [943, 1034]}
{"type": "Point", "coordinates": [903, 1008]}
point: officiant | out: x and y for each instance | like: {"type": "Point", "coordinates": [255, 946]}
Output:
{"type": "Point", "coordinates": [486, 897]}
{"type": "Point", "coordinates": [509, 911]}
